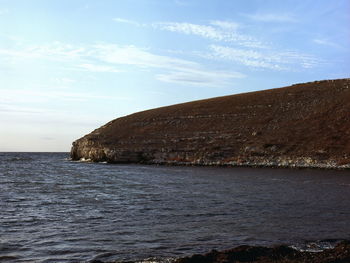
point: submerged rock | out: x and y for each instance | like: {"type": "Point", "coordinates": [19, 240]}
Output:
{"type": "Point", "coordinates": [304, 125]}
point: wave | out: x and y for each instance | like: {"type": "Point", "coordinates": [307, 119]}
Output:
{"type": "Point", "coordinates": [20, 159]}
{"type": "Point", "coordinates": [317, 246]}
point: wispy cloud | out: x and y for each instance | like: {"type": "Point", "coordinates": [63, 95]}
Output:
{"type": "Point", "coordinates": [221, 31]}
{"type": "Point", "coordinates": [249, 58]}
{"type": "Point", "coordinates": [193, 29]}
{"type": "Point", "coordinates": [274, 60]}
{"type": "Point", "coordinates": [104, 57]}
{"type": "Point", "coordinates": [272, 17]}
{"type": "Point", "coordinates": [127, 21]}
{"type": "Point", "coordinates": [225, 42]}
{"type": "Point", "coordinates": [227, 25]}
{"type": "Point", "coordinates": [54, 51]}
{"type": "Point", "coordinates": [216, 29]}
{"type": "Point", "coordinates": [327, 43]}
{"type": "Point", "coordinates": [98, 68]}
{"type": "Point", "coordinates": [132, 55]}
{"type": "Point", "coordinates": [213, 78]}
{"type": "Point", "coordinates": [176, 70]}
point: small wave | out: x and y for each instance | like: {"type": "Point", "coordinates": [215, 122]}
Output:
{"type": "Point", "coordinates": [20, 159]}
{"type": "Point", "coordinates": [108, 255]}
{"type": "Point", "coordinates": [102, 256]}
{"type": "Point", "coordinates": [316, 246]}
{"type": "Point", "coordinates": [156, 260]}
{"type": "Point", "coordinates": [81, 160]}
{"type": "Point", "coordinates": [151, 260]}
{"type": "Point", "coordinates": [85, 160]}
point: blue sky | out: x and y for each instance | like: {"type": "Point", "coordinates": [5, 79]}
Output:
{"type": "Point", "coordinates": [67, 67]}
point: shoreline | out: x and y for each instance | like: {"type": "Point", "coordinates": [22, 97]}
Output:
{"type": "Point", "coordinates": [275, 165]}
{"type": "Point", "coordinates": [272, 165]}
{"type": "Point", "coordinates": [340, 253]}
{"type": "Point", "coordinates": [278, 254]}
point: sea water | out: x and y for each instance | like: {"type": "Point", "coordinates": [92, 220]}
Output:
{"type": "Point", "coordinates": [56, 210]}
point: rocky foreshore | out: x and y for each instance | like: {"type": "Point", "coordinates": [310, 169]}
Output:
{"type": "Point", "coordinates": [279, 254]}
{"type": "Point", "coordinates": [302, 126]}
{"type": "Point", "coordinates": [299, 163]}
{"type": "Point", "coordinates": [256, 254]}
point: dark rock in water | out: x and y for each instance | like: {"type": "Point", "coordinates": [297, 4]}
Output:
{"type": "Point", "coordinates": [280, 254]}
{"type": "Point", "coordinates": [304, 125]}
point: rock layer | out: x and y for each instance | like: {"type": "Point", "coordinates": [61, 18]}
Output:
{"type": "Point", "coordinates": [303, 125]}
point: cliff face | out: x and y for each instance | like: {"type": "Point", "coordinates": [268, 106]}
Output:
{"type": "Point", "coordinates": [304, 125]}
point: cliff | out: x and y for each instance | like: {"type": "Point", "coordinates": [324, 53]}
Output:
{"type": "Point", "coordinates": [303, 125]}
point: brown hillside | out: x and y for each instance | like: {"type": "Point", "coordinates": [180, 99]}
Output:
{"type": "Point", "coordinates": [301, 125]}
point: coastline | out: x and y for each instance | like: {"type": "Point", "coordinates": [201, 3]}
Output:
{"type": "Point", "coordinates": [302, 163]}
{"type": "Point", "coordinates": [340, 253]}
{"type": "Point", "coordinates": [279, 254]}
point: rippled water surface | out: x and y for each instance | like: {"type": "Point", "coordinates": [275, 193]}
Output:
{"type": "Point", "coordinates": [55, 210]}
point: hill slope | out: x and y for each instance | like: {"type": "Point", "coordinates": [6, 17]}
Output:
{"type": "Point", "coordinates": [301, 125]}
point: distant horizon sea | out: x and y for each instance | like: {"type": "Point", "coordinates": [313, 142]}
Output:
{"type": "Point", "coordinates": [57, 210]}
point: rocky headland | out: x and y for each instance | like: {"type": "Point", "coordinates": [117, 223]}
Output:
{"type": "Point", "coordinates": [303, 125]}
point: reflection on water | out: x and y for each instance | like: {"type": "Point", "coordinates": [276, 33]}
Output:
{"type": "Point", "coordinates": [54, 209]}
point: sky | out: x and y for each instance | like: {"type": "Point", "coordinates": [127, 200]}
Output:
{"type": "Point", "coordinates": [68, 67]}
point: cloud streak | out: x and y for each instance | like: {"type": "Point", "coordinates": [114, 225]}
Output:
{"type": "Point", "coordinates": [55, 51]}
{"type": "Point", "coordinates": [104, 57]}
{"type": "Point", "coordinates": [177, 70]}
{"type": "Point", "coordinates": [231, 45]}
{"type": "Point", "coordinates": [98, 68]}
{"type": "Point", "coordinates": [225, 43]}
{"type": "Point", "coordinates": [220, 31]}
{"type": "Point", "coordinates": [200, 78]}
{"type": "Point", "coordinates": [227, 25]}
{"type": "Point", "coordinates": [273, 60]}
{"type": "Point", "coordinates": [132, 55]}
{"type": "Point", "coordinates": [327, 43]}
{"type": "Point", "coordinates": [127, 21]}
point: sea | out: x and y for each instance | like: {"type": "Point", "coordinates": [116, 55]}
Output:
{"type": "Point", "coordinates": [53, 209]}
